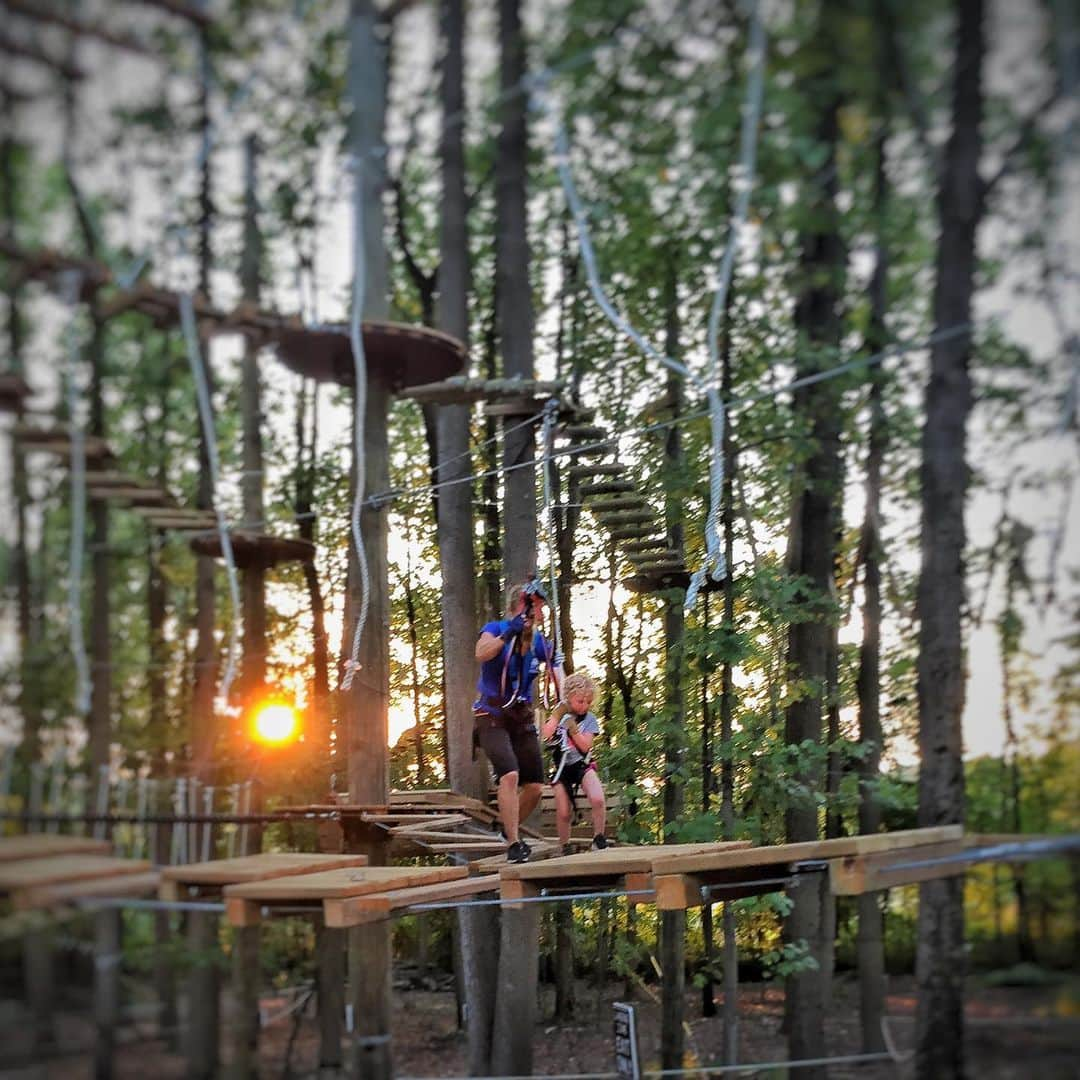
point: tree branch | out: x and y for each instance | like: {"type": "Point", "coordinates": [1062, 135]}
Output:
{"type": "Point", "coordinates": [1023, 141]}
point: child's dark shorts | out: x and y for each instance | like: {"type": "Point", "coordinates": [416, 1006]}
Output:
{"type": "Point", "coordinates": [572, 775]}
{"type": "Point", "coordinates": [510, 740]}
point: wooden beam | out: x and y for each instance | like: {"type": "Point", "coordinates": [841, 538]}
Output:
{"type": "Point", "coordinates": [243, 912]}
{"type": "Point", "coordinates": [857, 874]}
{"type": "Point", "coordinates": [677, 892]}
{"type": "Point", "coordinates": [362, 909]}
{"type": "Point", "coordinates": [642, 884]}
{"type": "Point", "coordinates": [517, 889]}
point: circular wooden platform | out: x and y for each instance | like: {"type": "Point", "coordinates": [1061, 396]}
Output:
{"type": "Point", "coordinates": [256, 549]}
{"type": "Point", "coordinates": [404, 355]}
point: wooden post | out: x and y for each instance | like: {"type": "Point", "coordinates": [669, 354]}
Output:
{"type": "Point", "coordinates": [244, 1033]}
{"type": "Point", "coordinates": [39, 983]}
{"type": "Point", "coordinates": [515, 996]}
{"type": "Point", "coordinates": [369, 991]}
{"type": "Point", "coordinates": [672, 965]}
{"type": "Point", "coordinates": [203, 1013]}
{"type": "Point", "coordinates": [107, 922]}
{"type": "Point", "coordinates": [330, 980]}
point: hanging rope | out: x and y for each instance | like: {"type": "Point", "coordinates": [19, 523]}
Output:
{"type": "Point", "coordinates": [755, 56]}
{"type": "Point", "coordinates": [543, 101]}
{"type": "Point", "coordinates": [71, 286]}
{"type": "Point", "coordinates": [551, 412]}
{"type": "Point", "coordinates": [743, 182]}
{"type": "Point", "coordinates": [356, 336]}
{"type": "Point", "coordinates": [206, 420]}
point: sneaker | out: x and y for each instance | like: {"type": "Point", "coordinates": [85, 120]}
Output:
{"type": "Point", "coordinates": [568, 849]}
{"type": "Point", "coordinates": [599, 842]}
{"type": "Point", "coordinates": [517, 852]}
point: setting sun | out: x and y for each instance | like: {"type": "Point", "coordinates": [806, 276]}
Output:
{"type": "Point", "coordinates": [275, 723]}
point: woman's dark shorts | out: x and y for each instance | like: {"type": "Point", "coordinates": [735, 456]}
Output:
{"type": "Point", "coordinates": [511, 742]}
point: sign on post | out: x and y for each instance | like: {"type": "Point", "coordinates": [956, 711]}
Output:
{"type": "Point", "coordinates": [627, 1062]}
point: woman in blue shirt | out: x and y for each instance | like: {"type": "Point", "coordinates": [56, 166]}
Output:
{"type": "Point", "coordinates": [510, 652]}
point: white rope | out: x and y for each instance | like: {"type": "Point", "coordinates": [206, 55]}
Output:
{"type": "Point", "coordinates": [206, 419]}
{"type": "Point", "coordinates": [356, 336]}
{"type": "Point", "coordinates": [71, 287]}
{"type": "Point", "coordinates": [551, 411]}
{"type": "Point", "coordinates": [744, 183]}
{"type": "Point", "coordinates": [542, 100]}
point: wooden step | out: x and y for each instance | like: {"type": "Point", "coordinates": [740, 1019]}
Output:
{"type": "Point", "coordinates": [630, 532]}
{"type": "Point", "coordinates": [584, 472]}
{"type": "Point", "coordinates": [624, 517]}
{"type": "Point", "coordinates": [610, 506]}
{"type": "Point", "coordinates": [585, 433]}
{"type": "Point", "coordinates": [606, 487]}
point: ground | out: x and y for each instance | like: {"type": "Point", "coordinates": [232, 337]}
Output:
{"type": "Point", "coordinates": [1013, 1033]}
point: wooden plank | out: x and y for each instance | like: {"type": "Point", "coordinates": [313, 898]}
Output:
{"type": "Point", "coordinates": [332, 884]}
{"type": "Point", "coordinates": [614, 861]}
{"type": "Point", "coordinates": [40, 845]}
{"type": "Point", "coordinates": [857, 874]}
{"type": "Point", "coordinates": [425, 835]}
{"type": "Point", "coordinates": [475, 848]}
{"type": "Point", "coordinates": [715, 857]}
{"type": "Point", "coordinates": [430, 823]}
{"type": "Point", "coordinates": [66, 892]}
{"type": "Point", "coordinates": [360, 909]}
{"type": "Point", "coordinates": [249, 868]}
{"type": "Point", "coordinates": [33, 873]}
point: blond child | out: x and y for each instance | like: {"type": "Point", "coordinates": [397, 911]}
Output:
{"type": "Point", "coordinates": [573, 728]}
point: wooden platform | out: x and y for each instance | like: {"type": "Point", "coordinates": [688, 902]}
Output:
{"type": "Point", "coordinates": [243, 902]}
{"type": "Point", "coordinates": [209, 878]}
{"type": "Point", "coordinates": [629, 868]}
{"type": "Point", "coordinates": [34, 882]}
{"type": "Point", "coordinates": [680, 877]}
{"type": "Point", "coordinates": [39, 845]}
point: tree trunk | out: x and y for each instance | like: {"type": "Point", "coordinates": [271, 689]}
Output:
{"type": "Point", "coordinates": [940, 954]}
{"type": "Point", "coordinates": [727, 695]}
{"type": "Point", "coordinates": [364, 708]}
{"type": "Point", "coordinates": [513, 292]}
{"type": "Point", "coordinates": [455, 519]}
{"type": "Point", "coordinates": [205, 661]}
{"type": "Point", "coordinates": [253, 577]}
{"type": "Point", "coordinates": [811, 554]}
{"type": "Point", "coordinates": [870, 940]}
{"type": "Point", "coordinates": [29, 691]}
{"type": "Point", "coordinates": [324, 751]}
{"type": "Point", "coordinates": [673, 923]}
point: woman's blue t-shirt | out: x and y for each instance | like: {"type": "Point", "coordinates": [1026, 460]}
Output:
{"type": "Point", "coordinates": [520, 671]}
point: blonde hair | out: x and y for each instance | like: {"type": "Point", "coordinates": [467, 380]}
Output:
{"type": "Point", "coordinates": [578, 683]}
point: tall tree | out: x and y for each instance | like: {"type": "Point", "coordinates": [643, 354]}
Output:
{"type": "Point", "coordinates": [513, 292]}
{"type": "Point", "coordinates": [870, 939]}
{"type": "Point", "coordinates": [251, 484]}
{"type": "Point", "coordinates": [673, 923]}
{"type": "Point", "coordinates": [812, 537]}
{"type": "Point", "coordinates": [944, 479]}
